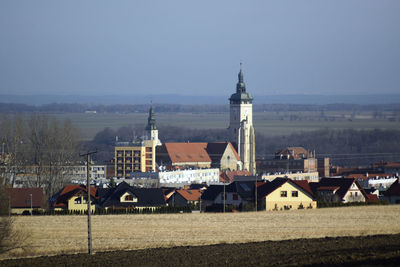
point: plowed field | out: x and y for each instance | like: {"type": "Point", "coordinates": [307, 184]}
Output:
{"type": "Point", "coordinates": [382, 250]}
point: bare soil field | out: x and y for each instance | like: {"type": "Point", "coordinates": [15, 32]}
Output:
{"type": "Point", "coordinates": [54, 235]}
{"type": "Point", "coordinates": [381, 250]}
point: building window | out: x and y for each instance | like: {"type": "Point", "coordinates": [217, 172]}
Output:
{"type": "Point", "coordinates": [128, 198]}
{"type": "Point", "coordinates": [295, 193]}
{"type": "Point", "coordinates": [355, 193]}
{"type": "Point", "coordinates": [283, 193]}
{"type": "Point", "coordinates": [235, 197]}
{"type": "Point", "coordinates": [77, 200]}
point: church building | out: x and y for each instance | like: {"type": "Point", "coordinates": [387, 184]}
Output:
{"type": "Point", "coordinates": [241, 124]}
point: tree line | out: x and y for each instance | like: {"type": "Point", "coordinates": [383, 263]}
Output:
{"type": "Point", "coordinates": [38, 149]}
{"type": "Point", "coordinates": [126, 108]}
{"type": "Point", "coordinates": [347, 147]}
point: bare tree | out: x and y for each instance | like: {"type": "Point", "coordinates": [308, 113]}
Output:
{"type": "Point", "coordinates": [10, 239]}
{"type": "Point", "coordinates": [40, 150]}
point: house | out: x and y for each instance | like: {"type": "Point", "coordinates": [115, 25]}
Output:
{"type": "Point", "coordinates": [24, 200]}
{"type": "Point", "coordinates": [183, 155]}
{"type": "Point", "coordinates": [237, 195]}
{"type": "Point", "coordinates": [339, 190]}
{"type": "Point", "coordinates": [126, 196]}
{"type": "Point", "coordinates": [73, 198]}
{"type": "Point", "coordinates": [285, 194]}
{"type": "Point", "coordinates": [184, 197]}
{"type": "Point", "coordinates": [221, 155]}
{"type": "Point", "coordinates": [393, 193]}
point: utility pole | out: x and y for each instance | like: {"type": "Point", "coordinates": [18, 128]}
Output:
{"type": "Point", "coordinates": [255, 192]}
{"type": "Point", "coordinates": [31, 204]}
{"type": "Point", "coordinates": [88, 199]}
{"type": "Point", "coordinates": [224, 197]}
{"type": "Point", "coordinates": [200, 203]}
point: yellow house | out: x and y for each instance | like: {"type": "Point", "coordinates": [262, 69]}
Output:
{"type": "Point", "coordinates": [286, 194]}
{"type": "Point", "coordinates": [73, 198]}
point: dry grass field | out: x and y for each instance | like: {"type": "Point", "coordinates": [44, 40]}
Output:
{"type": "Point", "coordinates": [49, 235]}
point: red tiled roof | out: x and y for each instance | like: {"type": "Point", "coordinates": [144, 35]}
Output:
{"type": "Point", "coordinates": [228, 176]}
{"type": "Point", "coordinates": [190, 195]}
{"type": "Point", "coordinates": [303, 184]}
{"type": "Point", "coordinates": [21, 197]}
{"type": "Point", "coordinates": [187, 152]}
{"type": "Point", "coordinates": [372, 198]}
{"type": "Point", "coordinates": [69, 191]}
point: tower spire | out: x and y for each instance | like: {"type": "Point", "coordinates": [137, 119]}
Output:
{"type": "Point", "coordinates": [151, 121]}
{"type": "Point", "coordinates": [240, 86]}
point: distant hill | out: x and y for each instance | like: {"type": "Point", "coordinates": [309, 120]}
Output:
{"type": "Point", "coordinates": [199, 100]}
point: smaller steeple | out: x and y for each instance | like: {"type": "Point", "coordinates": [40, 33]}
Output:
{"type": "Point", "coordinates": [240, 86]}
{"type": "Point", "coordinates": [151, 121]}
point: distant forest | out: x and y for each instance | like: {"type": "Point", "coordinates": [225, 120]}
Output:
{"type": "Point", "coordinates": [81, 108]}
{"type": "Point", "coordinates": [344, 147]}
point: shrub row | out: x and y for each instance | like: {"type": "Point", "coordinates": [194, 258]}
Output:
{"type": "Point", "coordinates": [322, 204]}
{"type": "Point", "coordinates": [100, 211]}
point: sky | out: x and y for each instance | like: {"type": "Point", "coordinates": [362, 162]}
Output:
{"type": "Point", "coordinates": [98, 47]}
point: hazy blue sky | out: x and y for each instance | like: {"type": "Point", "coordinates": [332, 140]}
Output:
{"type": "Point", "coordinates": [194, 47]}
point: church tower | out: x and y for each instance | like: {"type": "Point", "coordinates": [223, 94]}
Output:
{"type": "Point", "coordinates": [241, 124]}
{"type": "Point", "coordinates": [151, 129]}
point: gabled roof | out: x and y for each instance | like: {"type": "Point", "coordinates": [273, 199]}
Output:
{"type": "Point", "coordinates": [189, 195]}
{"type": "Point", "coordinates": [269, 187]}
{"type": "Point", "coordinates": [394, 189]}
{"type": "Point", "coordinates": [344, 185]}
{"type": "Point", "coordinates": [217, 149]}
{"type": "Point", "coordinates": [214, 190]}
{"type": "Point", "coordinates": [21, 197]}
{"type": "Point", "coordinates": [61, 198]}
{"type": "Point", "coordinates": [185, 152]}
{"type": "Point", "coordinates": [147, 197]}
{"type": "Point", "coordinates": [228, 176]}
{"type": "Point", "coordinates": [305, 185]}
{"type": "Point", "coordinates": [168, 192]}
{"type": "Point", "coordinates": [245, 189]}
